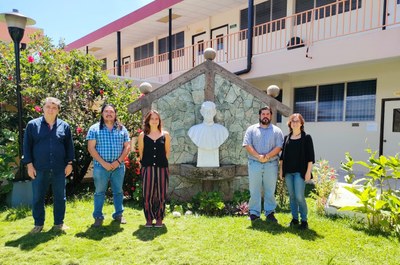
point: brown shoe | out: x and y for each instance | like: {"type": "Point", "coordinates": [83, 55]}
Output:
{"type": "Point", "coordinates": [61, 227]}
{"type": "Point", "coordinates": [37, 229]}
{"type": "Point", "coordinates": [120, 219]}
{"type": "Point", "coordinates": [98, 222]}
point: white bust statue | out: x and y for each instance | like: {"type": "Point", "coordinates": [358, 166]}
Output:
{"type": "Point", "coordinates": [208, 136]}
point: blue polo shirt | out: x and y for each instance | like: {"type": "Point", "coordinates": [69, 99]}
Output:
{"type": "Point", "coordinates": [263, 140]}
{"type": "Point", "coordinates": [109, 144]}
{"type": "Point", "coordinates": [48, 148]}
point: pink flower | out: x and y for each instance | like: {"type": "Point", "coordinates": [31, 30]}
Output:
{"type": "Point", "coordinates": [139, 130]}
{"type": "Point", "coordinates": [31, 59]}
{"type": "Point", "coordinates": [133, 188]}
{"type": "Point", "coordinates": [10, 77]}
{"type": "Point", "coordinates": [38, 109]}
{"type": "Point", "coordinates": [79, 130]}
{"type": "Point", "coordinates": [101, 91]}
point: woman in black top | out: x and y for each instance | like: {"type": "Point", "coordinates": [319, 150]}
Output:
{"type": "Point", "coordinates": [296, 163]}
{"type": "Point", "coordinates": [154, 150]}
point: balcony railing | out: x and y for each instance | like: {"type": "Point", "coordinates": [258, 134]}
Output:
{"type": "Point", "coordinates": [302, 29]}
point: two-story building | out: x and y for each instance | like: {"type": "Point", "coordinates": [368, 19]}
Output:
{"type": "Point", "coordinates": [337, 62]}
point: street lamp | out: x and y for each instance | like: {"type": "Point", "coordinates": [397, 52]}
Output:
{"type": "Point", "coordinates": [16, 23]}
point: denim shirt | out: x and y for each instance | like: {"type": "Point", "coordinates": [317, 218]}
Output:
{"type": "Point", "coordinates": [263, 140]}
{"type": "Point", "coordinates": [48, 148]}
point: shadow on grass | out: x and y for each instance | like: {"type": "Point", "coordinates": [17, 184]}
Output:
{"type": "Point", "coordinates": [276, 228]}
{"type": "Point", "coordinates": [98, 233]}
{"type": "Point", "coordinates": [31, 241]}
{"type": "Point", "coordinates": [149, 233]}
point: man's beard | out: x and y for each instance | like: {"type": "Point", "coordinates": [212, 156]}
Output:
{"type": "Point", "coordinates": [265, 121]}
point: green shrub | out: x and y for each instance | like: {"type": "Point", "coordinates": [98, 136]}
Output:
{"type": "Point", "coordinates": [209, 203]}
{"type": "Point", "coordinates": [8, 160]}
{"type": "Point", "coordinates": [75, 78]}
{"type": "Point", "coordinates": [378, 200]}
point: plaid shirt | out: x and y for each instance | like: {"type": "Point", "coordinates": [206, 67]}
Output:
{"type": "Point", "coordinates": [109, 144]}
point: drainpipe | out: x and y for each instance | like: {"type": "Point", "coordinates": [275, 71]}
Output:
{"type": "Point", "coordinates": [384, 14]}
{"type": "Point", "coordinates": [250, 20]}
{"type": "Point", "coordinates": [170, 40]}
{"type": "Point", "coordinates": [119, 53]}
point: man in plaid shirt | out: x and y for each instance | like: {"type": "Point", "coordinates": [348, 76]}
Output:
{"type": "Point", "coordinates": [108, 144]}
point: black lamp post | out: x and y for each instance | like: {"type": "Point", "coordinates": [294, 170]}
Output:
{"type": "Point", "coordinates": [16, 23]}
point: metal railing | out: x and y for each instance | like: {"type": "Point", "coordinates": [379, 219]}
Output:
{"type": "Point", "coordinates": [302, 29]}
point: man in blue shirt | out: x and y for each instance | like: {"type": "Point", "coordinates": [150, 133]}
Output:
{"type": "Point", "coordinates": [263, 142]}
{"type": "Point", "coordinates": [108, 144]}
{"type": "Point", "coordinates": [48, 153]}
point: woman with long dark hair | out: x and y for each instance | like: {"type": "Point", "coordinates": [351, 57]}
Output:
{"type": "Point", "coordinates": [296, 161]}
{"type": "Point", "coordinates": [154, 149]}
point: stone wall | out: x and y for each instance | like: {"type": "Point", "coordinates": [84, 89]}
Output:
{"type": "Point", "coordinates": [180, 109]}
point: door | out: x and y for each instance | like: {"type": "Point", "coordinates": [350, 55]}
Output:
{"type": "Point", "coordinates": [391, 127]}
{"type": "Point", "coordinates": [198, 42]}
{"type": "Point", "coordinates": [220, 43]}
{"type": "Point", "coordinates": [393, 12]}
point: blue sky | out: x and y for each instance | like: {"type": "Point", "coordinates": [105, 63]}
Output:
{"type": "Point", "coordinates": [71, 19]}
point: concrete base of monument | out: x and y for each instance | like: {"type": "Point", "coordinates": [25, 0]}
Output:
{"type": "Point", "coordinates": [186, 180]}
{"type": "Point", "coordinates": [222, 172]}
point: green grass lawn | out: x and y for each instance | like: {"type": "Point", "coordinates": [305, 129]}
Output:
{"type": "Point", "coordinates": [189, 240]}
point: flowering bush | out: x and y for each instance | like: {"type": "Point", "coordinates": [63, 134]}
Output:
{"type": "Point", "coordinates": [75, 78]}
{"type": "Point", "coordinates": [324, 177]}
{"type": "Point", "coordinates": [133, 181]}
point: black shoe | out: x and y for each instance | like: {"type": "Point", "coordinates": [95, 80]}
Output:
{"type": "Point", "coordinates": [253, 217]}
{"type": "Point", "coordinates": [271, 218]}
{"type": "Point", "coordinates": [294, 223]}
{"type": "Point", "coordinates": [303, 225]}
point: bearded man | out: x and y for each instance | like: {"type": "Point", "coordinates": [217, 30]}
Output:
{"type": "Point", "coordinates": [263, 142]}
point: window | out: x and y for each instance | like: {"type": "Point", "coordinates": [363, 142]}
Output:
{"type": "Point", "coordinates": [305, 102]}
{"type": "Point", "coordinates": [396, 120]}
{"type": "Point", "coordinates": [220, 42]}
{"type": "Point", "coordinates": [320, 12]}
{"type": "Point", "coordinates": [265, 12]}
{"type": "Point", "coordinates": [330, 102]}
{"type": "Point", "coordinates": [352, 101]}
{"type": "Point", "coordinates": [143, 52]}
{"type": "Point", "coordinates": [104, 64]}
{"type": "Point", "coordinates": [360, 101]}
{"type": "Point", "coordinates": [200, 47]}
{"type": "Point", "coordinates": [178, 42]}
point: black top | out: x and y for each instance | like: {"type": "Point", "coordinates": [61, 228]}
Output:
{"type": "Point", "coordinates": [297, 153]}
{"type": "Point", "coordinates": [154, 152]}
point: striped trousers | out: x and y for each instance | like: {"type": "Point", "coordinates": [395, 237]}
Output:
{"type": "Point", "coordinates": [155, 186]}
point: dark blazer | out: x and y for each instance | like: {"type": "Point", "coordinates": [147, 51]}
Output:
{"type": "Point", "coordinates": [307, 151]}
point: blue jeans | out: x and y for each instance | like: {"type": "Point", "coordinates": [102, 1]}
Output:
{"type": "Point", "coordinates": [101, 178]}
{"type": "Point", "coordinates": [296, 187]}
{"type": "Point", "coordinates": [262, 176]}
{"type": "Point", "coordinates": [40, 185]}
